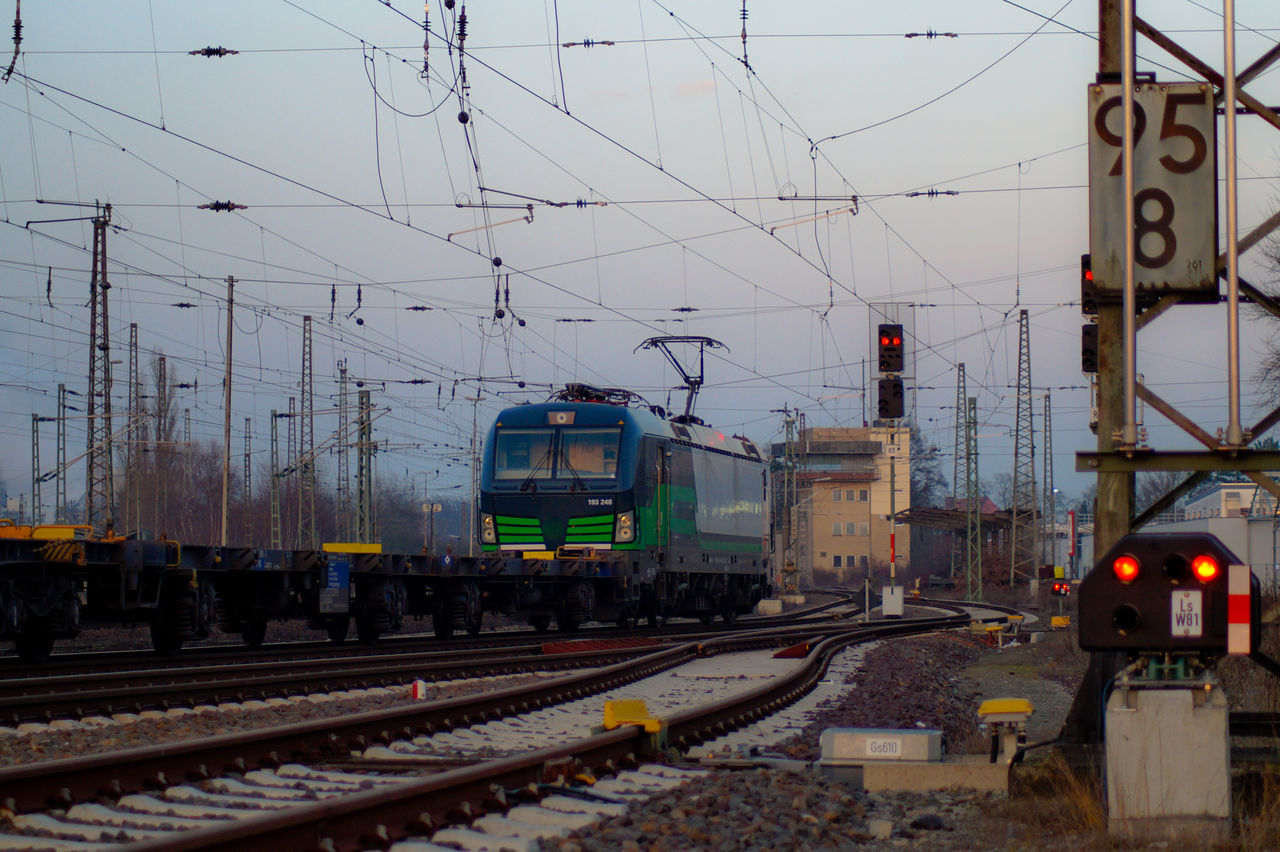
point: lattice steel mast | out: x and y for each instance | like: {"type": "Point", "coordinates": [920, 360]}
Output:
{"type": "Point", "coordinates": [99, 479]}
{"type": "Point", "coordinates": [959, 469]}
{"type": "Point", "coordinates": [973, 507]}
{"type": "Point", "coordinates": [1024, 550]}
{"type": "Point", "coordinates": [307, 467]}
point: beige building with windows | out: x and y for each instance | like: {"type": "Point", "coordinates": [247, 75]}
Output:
{"type": "Point", "coordinates": [839, 523]}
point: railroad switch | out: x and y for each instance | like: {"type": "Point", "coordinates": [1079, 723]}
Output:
{"type": "Point", "coordinates": [1006, 720]}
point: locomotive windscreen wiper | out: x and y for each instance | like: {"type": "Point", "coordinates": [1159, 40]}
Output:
{"type": "Point", "coordinates": [577, 479]}
{"type": "Point", "coordinates": [528, 480]}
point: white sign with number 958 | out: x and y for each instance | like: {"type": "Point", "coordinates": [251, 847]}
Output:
{"type": "Point", "coordinates": [1174, 184]}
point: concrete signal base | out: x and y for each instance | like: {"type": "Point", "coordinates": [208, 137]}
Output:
{"type": "Point", "coordinates": [1169, 763]}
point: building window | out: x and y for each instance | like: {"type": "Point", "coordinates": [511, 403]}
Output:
{"type": "Point", "coordinates": [850, 528]}
{"type": "Point", "coordinates": [850, 561]}
{"type": "Point", "coordinates": [863, 529]}
{"type": "Point", "coordinates": [835, 561]}
{"type": "Point", "coordinates": [837, 528]}
{"type": "Point", "coordinates": [835, 495]}
{"type": "Point", "coordinates": [862, 495]}
{"type": "Point", "coordinates": [862, 562]}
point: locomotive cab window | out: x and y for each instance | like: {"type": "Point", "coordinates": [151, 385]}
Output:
{"type": "Point", "coordinates": [588, 452]}
{"type": "Point", "coordinates": [523, 453]}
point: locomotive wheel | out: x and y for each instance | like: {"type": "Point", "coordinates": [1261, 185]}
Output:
{"type": "Point", "coordinates": [629, 621]}
{"type": "Point", "coordinates": [540, 621]}
{"type": "Point", "coordinates": [336, 628]}
{"type": "Point", "coordinates": [729, 616]}
{"type": "Point", "coordinates": [658, 616]}
{"type": "Point", "coordinates": [253, 630]}
{"type": "Point", "coordinates": [164, 637]}
{"type": "Point", "coordinates": [35, 643]}
{"type": "Point", "coordinates": [568, 619]}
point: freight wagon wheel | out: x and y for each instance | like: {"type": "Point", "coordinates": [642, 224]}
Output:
{"type": "Point", "coordinates": [253, 630]}
{"type": "Point", "coordinates": [473, 612]}
{"type": "Point", "coordinates": [367, 630]}
{"type": "Point", "coordinates": [540, 621]}
{"type": "Point", "coordinates": [35, 643]}
{"type": "Point", "coordinates": [164, 637]}
{"type": "Point", "coordinates": [336, 628]}
{"type": "Point", "coordinates": [658, 616]}
{"type": "Point", "coordinates": [629, 620]}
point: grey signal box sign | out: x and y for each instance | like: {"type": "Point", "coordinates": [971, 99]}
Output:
{"type": "Point", "coordinates": [1174, 184]}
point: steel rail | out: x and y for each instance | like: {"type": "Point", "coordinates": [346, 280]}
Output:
{"type": "Point", "coordinates": [376, 818]}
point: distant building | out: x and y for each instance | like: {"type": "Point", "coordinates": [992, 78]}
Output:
{"type": "Point", "coordinates": [1243, 516]}
{"type": "Point", "coordinates": [839, 521]}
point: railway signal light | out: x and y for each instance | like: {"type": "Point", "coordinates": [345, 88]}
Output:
{"type": "Point", "coordinates": [1089, 348]}
{"type": "Point", "coordinates": [1088, 291]}
{"type": "Point", "coordinates": [890, 342]}
{"type": "Point", "coordinates": [1169, 593]}
{"type": "Point", "coordinates": [1061, 588]}
{"type": "Point", "coordinates": [889, 404]}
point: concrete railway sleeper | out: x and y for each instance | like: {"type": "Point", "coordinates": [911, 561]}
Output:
{"type": "Point", "coordinates": [297, 800]}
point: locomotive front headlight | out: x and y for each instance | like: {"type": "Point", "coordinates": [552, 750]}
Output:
{"type": "Point", "coordinates": [488, 534]}
{"type": "Point", "coordinates": [625, 528]}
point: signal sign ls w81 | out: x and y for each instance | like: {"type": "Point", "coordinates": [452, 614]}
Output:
{"type": "Point", "coordinates": [1174, 184]}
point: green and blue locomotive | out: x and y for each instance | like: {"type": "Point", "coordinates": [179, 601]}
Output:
{"type": "Point", "coordinates": [623, 513]}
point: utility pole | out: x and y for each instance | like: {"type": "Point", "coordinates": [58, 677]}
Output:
{"type": "Point", "coordinates": [973, 508]}
{"type": "Point", "coordinates": [307, 466]}
{"type": "Point", "coordinates": [226, 414]}
{"type": "Point", "coordinates": [160, 455]}
{"type": "Point", "coordinates": [1023, 547]}
{"type": "Point", "coordinates": [60, 482]}
{"type": "Point", "coordinates": [1049, 534]}
{"type": "Point", "coordinates": [365, 526]}
{"type": "Point", "coordinates": [275, 481]}
{"type": "Point", "coordinates": [291, 455]}
{"type": "Point", "coordinates": [99, 486]}
{"type": "Point", "coordinates": [475, 473]}
{"type": "Point", "coordinates": [959, 466]}
{"type": "Point", "coordinates": [344, 454]}
{"type": "Point", "coordinates": [132, 498]}
{"type": "Point", "coordinates": [186, 473]}
{"type": "Point", "coordinates": [246, 501]}
{"type": "Point", "coordinates": [35, 468]}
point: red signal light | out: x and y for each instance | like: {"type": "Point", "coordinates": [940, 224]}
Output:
{"type": "Point", "coordinates": [1088, 275]}
{"type": "Point", "coordinates": [884, 340]}
{"type": "Point", "coordinates": [1125, 568]}
{"type": "Point", "coordinates": [1205, 568]}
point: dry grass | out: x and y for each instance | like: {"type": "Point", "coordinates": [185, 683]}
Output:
{"type": "Point", "coordinates": [1056, 798]}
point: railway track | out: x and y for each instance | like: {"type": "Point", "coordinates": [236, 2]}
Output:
{"type": "Point", "coordinates": [109, 688]}
{"type": "Point", "coordinates": [329, 806]}
{"type": "Point", "coordinates": [88, 662]}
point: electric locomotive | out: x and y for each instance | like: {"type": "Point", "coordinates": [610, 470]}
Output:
{"type": "Point", "coordinates": [620, 512]}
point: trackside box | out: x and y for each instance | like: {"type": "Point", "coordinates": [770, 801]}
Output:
{"type": "Point", "coordinates": [858, 745]}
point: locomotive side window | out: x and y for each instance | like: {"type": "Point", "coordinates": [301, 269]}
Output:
{"type": "Point", "coordinates": [523, 454]}
{"type": "Point", "coordinates": [589, 452]}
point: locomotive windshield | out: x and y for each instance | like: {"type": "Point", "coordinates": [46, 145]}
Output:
{"type": "Point", "coordinates": [550, 453]}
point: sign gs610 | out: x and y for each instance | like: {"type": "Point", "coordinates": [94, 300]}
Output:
{"type": "Point", "coordinates": [1174, 178]}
